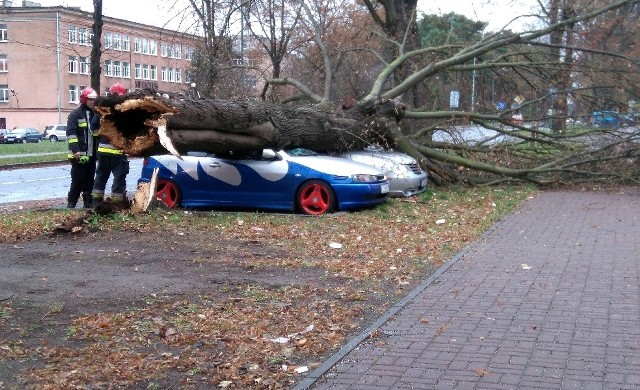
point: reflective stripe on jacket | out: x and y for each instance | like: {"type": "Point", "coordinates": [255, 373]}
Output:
{"type": "Point", "coordinates": [106, 148]}
{"type": "Point", "coordinates": [81, 134]}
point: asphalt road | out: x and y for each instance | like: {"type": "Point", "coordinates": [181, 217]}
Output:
{"type": "Point", "coordinates": [50, 182]}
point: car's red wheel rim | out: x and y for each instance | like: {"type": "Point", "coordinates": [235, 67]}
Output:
{"type": "Point", "coordinates": [315, 199]}
{"type": "Point", "coordinates": [168, 193]}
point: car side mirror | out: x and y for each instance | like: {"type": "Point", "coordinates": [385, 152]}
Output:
{"type": "Point", "coordinates": [269, 154]}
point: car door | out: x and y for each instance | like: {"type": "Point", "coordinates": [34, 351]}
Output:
{"type": "Point", "coordinates": [250, 182]}
{"type": "Point", "coordinates": [266, 182]}
{"type": "Point", "coordinates": [219, 181]}
{"type": "Point", "coordinates": [32, 135]}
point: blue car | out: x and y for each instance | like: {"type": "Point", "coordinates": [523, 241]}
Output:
{"type": "Point", "coordinates": [23, 135]}
{"type": "Point", "coordinates": [608, 118]}
{"type": "Point", "coordinates": [295, 180]}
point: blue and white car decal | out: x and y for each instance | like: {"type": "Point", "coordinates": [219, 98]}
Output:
{"type": "Point", "coordinates": [223, 171]}
{"type": "Point", "coordinates": [269, 183]}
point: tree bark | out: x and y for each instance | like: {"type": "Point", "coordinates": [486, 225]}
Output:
{"type": "Point", "coordinates": [137, 124]}
{"type": "Point", "coordinates": [96, 44]}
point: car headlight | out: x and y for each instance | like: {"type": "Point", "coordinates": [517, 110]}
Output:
{"type": "Point", "coordinates": [365, 178]}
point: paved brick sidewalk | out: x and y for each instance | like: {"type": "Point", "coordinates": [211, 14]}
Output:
{"type": "Point", "coordinates": [548, 299]}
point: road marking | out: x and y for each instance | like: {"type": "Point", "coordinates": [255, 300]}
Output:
{"type": "Point", "coordinates": [34, 180]}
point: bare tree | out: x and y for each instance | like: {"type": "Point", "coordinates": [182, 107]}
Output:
{"type": "Point", "coordinates": [272, 24]}
{"type": "Point", "coordinates": [546, 64]}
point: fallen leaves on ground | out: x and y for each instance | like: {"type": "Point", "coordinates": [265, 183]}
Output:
{"type": "Point", "coordinates": [263, 336]}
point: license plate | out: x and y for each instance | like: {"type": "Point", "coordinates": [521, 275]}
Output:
{"type": "Point", "coordinates": [384, 188]}
{"type": "Point", "coordinates": [10, 139]}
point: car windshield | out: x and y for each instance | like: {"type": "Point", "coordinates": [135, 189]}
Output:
{"type": "Point", "coordinates": [18, 131]}
{"type": "Point", "coordinates": [301, 152]}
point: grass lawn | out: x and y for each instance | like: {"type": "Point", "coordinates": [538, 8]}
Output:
{"type": "Point", "coordinates": [32, 153]}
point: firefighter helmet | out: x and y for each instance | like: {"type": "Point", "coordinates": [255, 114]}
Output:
{"type": "Point", "coordinates": [117, 89]}
{"type": "Point", "coordinates": [87, 93]}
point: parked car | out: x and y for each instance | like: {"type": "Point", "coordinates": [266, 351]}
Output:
{"type": "Point", "coordinates": [3, 136]}
{"type": "Point", "coordinates": [403, 172]}
{"type": "Point", "coordinates": [294, 180]}
{"type": "Point", "coordinates": [609, 118]}
{"type": "Point", "coordinates": [517, 119]}
{"type": "Point", "coordinates": [55, 133]}
{"type": "Point", "coordinates": [23, 135]}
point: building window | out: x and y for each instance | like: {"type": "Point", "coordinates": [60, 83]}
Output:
{"type": "Point", "coordinates": [73, 34]}
{"type": "Point", "coordinates": [145, 72]}
{"type": "Point", "coordinates": [171, 75]}
{"type": "Point", "coordinates": [73, 64]}
{"type": "Point", "coordinates": [188, 53]}
{"type": "Point", "coordinates": [108, 68]}
{"type": "Point", "coordinates": [137, 45]}
{"type": "Point", "coordinates": [153, 47]}
{"type": "Point", "coordinates": [3, 33]}
{"type": "Point", "coordinates": [117, 42]}
{"type": "Point", "coordinates": [73, 94]}
{"type": "Point", "coordinates": [4, 63]}
{"type": "Point", "coordinates": [85, 36]}
{"type": "Point", "coordinates": [117, 70]}
{"type": "Point", "coordinates": [173, 51]}
{"type": "Point", "coordinates": [126, 70]}
{"type": "Point", "coordinates": [164, 49]}
{"type": "Point", "coordinates": [85, 65]}
{"type": "Point", "coordinates": [108, 40]}
{"type": "Point", "coordinates": [138, 71]}
{"type": "Point", "coordinates": [4, 93]}
{"type": "Point", "coordinates": [145, 46]}
{"type": "Point", "coordinates": [153, 72]}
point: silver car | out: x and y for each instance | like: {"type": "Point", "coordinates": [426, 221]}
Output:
{"type": "Point", "coordinates": [403, 172]}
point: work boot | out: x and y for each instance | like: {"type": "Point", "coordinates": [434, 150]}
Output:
{"type": "Point", "coordinates": [97, 198]}
{"type": "Point", "coordinates": [87, 200]}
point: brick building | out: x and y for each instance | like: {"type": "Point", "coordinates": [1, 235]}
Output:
{"type": "Point", "coordinates": [45, 61]}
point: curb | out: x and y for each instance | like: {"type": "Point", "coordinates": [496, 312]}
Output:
{"type": "Point", "coordinates": [9, 167]}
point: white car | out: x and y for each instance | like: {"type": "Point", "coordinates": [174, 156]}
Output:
{"type": "Point", "coordinates": [55, 133]}
{"type": "Point", "coordinates": [403, 172]}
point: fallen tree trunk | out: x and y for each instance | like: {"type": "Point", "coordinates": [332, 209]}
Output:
{"type": "Point", "coordinates": [142, 124]}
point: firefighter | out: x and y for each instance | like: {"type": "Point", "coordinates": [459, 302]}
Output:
{"type": "Point", "coordinates": [111, 161]}
{"type": "Point", "coordinates": [82, 140]}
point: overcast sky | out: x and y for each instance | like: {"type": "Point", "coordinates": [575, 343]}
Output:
{"type": "Point", "coordinates": [498, 13]}
{"type": "Point", "coordinates": [156, 13]}
{"type": "Point", "coordinates": [159, 12]}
